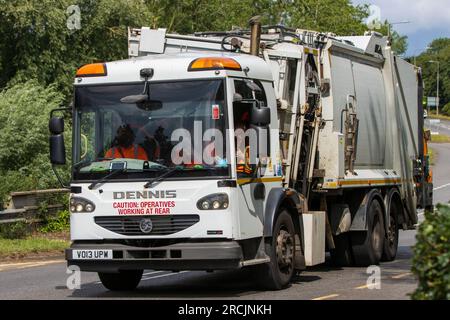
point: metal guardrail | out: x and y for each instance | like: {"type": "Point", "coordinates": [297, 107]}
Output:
{"type": "Point", "coordinates": [24, 199]}
{"type": "Point", "coordinates": [26, 205]}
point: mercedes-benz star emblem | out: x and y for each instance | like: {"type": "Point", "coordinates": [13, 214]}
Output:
{"type": "Point", "coordinates": [146, 225]}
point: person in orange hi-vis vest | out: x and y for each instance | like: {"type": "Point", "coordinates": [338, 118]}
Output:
{"type": "Point", "coordinates": [243, 156]}
{"type": "Point", "coordinates": [124, 146]}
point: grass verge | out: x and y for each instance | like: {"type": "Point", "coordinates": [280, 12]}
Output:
{"type": "Point", "coordinates": [20, 248]}
{"type": "Point", "coordinates": [432, 155]}
{"type": "Point", "coordinates": [441, 117]}
{"type": "Point", "coordinates": [440, 138]}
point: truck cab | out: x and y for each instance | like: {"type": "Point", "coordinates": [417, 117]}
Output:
{"type": "Point", "coordinates": [171, 209]}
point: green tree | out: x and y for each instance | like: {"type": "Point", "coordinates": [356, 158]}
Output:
{"type": "Point", "coordinates": [36, 42]}
{"type": "Point", "coordinates": [24, 112]}
{"type": "Point", "coordinates": [438, 50]}
{"type": "Point", "coordinates": [188, 16]}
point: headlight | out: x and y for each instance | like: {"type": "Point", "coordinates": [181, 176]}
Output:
{"type": "Point", "coordinates": [81, 205]}
{"type": "Point", "coordinates": [217, 201]}
{"type": "Point", "coordinates": [205, 205]}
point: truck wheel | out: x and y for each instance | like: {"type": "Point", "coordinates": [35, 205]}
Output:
{"type": "Point", "coordinates": [341, 256]}
{"type": "Point", "coordinates": [391, 240]}
{"type": "Point", "coordinates": [277, 274]}
{"type": "Point", "coordinates": [122, 281]}
{"type": "Point", "coordinates": [367, 246]}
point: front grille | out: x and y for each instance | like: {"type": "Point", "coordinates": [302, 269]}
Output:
{"type": "Point", "coordinates": [162, 225]}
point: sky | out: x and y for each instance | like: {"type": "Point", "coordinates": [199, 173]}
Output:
{"type": "Point", "coordinates": [429, 19]}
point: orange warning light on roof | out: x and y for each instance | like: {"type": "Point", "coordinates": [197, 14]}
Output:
{"type": "Point", "coordinates": [92, 70]}
{"type": "Point", "coordinates": [217, 63]}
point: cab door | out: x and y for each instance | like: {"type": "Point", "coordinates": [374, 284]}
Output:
{"type": "Point", "coordinates": [255, 165]}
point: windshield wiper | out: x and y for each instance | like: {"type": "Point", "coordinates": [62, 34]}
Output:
{"type": "Point", "coordinates": [161, 177]}
{"type": "Point", "coordinates": [105, 178]}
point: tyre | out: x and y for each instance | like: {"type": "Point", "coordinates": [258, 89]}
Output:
{"type": "Point", "coordinates": [123, 281]}
{"type": "Point", "coordinates": [341, 256]}
{"type": "Point", "coordinates": [277, 274]}
{"type": "Point", "coordinates": [367, 246]}
{"type": "Point", "coordinates": [391, 240]}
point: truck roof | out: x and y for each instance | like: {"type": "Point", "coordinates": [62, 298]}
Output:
{"type": "Point", "coordinates": [174, 66]}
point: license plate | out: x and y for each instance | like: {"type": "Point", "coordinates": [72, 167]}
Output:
{"type": "Point", "coordinates": [92, 254]}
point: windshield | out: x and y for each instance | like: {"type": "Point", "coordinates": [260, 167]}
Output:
{"type": "Point", "coordinates": [170, 129]}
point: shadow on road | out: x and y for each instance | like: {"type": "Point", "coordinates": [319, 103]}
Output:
{"type": "Point", "coordinates": [234, 284]}
{"type": "Point", "coordinates": [188, 285]}
{"type": "Point", "coordinates": [220, 284]}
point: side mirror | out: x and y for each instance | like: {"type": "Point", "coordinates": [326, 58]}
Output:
{"type": "Point", "coordinates": [260, 121]}
{"type": "Point", "coordinates": [57, 149]}
{"type": "Point", "coordinates": [260, 116]}
{"type": "Point", "coordinates": [56, 125]}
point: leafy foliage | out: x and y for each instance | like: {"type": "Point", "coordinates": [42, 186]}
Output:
{"type": "Point", "coordinates": [431, 263]}
{"type": "Point", "coordinates": [446, 109]}
{"type": "Point", "coordinates": [24, 112]}
{"type": "Point", "coordinates": [16, 230]}
{"type": "Point", "coordinates": [36, 41]}
{"type": "Point", "coordinates": [58, 224]}
{"type": "Point", "coordinates": [438, 50]}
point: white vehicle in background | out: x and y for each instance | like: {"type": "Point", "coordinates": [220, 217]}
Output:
{"type": "Point", "coordinates": [425, 114]}
{"type": "Point", "coordinates": [337, 164]}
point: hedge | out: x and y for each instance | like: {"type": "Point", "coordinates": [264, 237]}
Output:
{"type": "Point", "coordinates": [431, 261]}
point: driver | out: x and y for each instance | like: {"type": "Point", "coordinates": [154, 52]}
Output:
{"type": "Point", "coordinates": [124, 146]}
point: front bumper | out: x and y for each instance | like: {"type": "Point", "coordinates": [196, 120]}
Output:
{"type": "Point", "coordinates": [181, 256]}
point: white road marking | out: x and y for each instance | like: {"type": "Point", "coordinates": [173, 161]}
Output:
{"type": "Point", "coordinates": [442, 187]}
{"type": "Point", "coordinates": [327, 297]}
{"type": "Point", "coordinates": [163, 275]}
{"type": "Point", "coordinates": [153, 272]}
{"type": "Point", "coordinates": [402, 275]}
{"type": "Point", "coordinates": [366, 286]}
{"type": "Point", "coordinates": [23, 265]}
{"type": "Point", "coordinates": [154, 277]}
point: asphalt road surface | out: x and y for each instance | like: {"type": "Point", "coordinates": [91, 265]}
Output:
{"type": "Point", "coordinates": [47, 279]}
{"type": "Point", "coordinates": [441, 126]}
{"type": "Point", "coordinates": [441, 172]}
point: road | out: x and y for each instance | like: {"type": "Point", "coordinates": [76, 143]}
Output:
{"type": "Point", "coordinates": [443, 127]}
{"type": "Point", "coordinates": [441, 173]}
{"type": "Point", "coordinates": [47, 279]}
{"type": "Point", "coordinates": [441, 170]}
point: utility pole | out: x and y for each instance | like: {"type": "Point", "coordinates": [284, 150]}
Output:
{"type": "Point", "coordinates": [392, 24]}
{"type": "Point", "coordinates": [437, 89]}
{"type": "Point", "coordinates": [415, 54]}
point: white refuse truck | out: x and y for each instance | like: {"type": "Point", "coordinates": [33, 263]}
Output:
{"type": "Point", "coordinates": [331, 160]}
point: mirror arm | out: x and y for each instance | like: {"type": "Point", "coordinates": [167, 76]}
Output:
{"type": "Point", "coordinates": [59, 110]}
{"type": "Point", "coordinates": [61, 182]}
